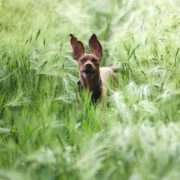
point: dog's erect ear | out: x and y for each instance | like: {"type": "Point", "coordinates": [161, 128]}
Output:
{"type": "Point", "coordinates": [95, 46]}
{"type": "Point", "coordinates": [77, 46]}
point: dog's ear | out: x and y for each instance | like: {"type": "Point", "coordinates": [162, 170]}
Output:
{"type": "Point", "coordinates": [77, 46]}
{"type": "Point", "coordinates": [95, 46]}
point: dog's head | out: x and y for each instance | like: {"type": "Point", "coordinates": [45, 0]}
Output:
{"type": "Point", "coordinates": [88, 63]}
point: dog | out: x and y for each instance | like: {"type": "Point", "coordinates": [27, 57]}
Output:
{"type": "Point", "coordinates": [92, 77]}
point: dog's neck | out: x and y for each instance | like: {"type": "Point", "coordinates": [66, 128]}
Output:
{"type": "Point", "coordinates": [90, 83]}
{"type": "Point", "coordinates": [93, 85]}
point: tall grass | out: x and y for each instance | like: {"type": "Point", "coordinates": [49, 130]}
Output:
{"type": "Point", "coordinates": [48, 132]}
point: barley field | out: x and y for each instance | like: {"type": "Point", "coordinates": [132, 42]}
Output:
{"type": "Point", "coordinates": [47, 132]}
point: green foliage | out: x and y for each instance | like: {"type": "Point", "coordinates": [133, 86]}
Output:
{"type": "Point", "coordinates": [48, 132]}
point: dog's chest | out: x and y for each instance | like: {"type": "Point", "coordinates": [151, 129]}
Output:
{"type": "Point", "coordinates": [96, 92]}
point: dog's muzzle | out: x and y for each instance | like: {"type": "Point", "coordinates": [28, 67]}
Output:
{"type": "Point", "coordinates": [88, 73]}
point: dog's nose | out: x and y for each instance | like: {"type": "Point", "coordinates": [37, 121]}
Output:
{"type": "Point", "coordinates": [88, 65]}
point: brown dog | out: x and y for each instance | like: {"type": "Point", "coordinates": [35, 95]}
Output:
{"type": "Point", "coordinates": [91, 76]}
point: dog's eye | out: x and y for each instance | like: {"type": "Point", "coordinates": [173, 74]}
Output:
{"type": "Point", "coordinates": [94, 60]}
{"type": "Point", "coordinates": [83, 60]}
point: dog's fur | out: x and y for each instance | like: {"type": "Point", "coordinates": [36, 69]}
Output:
{"type": "Point", "coordinates": [91, 76]}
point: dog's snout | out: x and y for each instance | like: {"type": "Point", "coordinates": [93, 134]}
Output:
{"type": "Point", "coordinates": [88, 65]}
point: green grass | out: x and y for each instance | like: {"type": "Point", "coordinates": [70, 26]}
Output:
{"type": "Point", "coordinates": [47, 132]}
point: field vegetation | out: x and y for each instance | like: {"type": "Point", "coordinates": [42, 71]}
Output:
{"type": "Point", "coordinates": [47, 132]}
